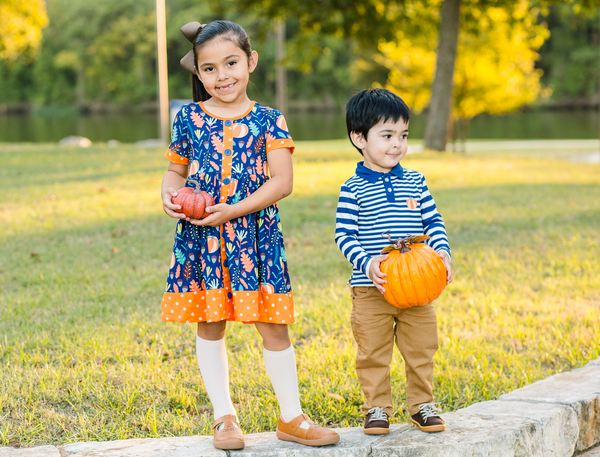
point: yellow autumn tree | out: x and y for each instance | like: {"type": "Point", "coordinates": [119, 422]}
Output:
{"type": "Point", "coordinates": [21, 24]}
{"type": "Point", "coordinates": [495, 67]}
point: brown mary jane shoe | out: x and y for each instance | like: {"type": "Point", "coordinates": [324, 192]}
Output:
{"type": "Point", "coordinates": [229, 436]}
{"type": "Point", "coordinates": [314, 435]}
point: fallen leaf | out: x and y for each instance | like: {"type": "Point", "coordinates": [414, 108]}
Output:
{"type": "Point", "coordinates": [336, 397]}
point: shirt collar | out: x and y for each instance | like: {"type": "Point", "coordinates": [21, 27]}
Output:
{"type": "Point", "coordinates": [373, 176]}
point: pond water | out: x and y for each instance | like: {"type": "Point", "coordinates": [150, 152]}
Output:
{"type": "Point", "coordinates": [129, 128]}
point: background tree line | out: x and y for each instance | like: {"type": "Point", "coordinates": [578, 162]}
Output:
{"type": "Point", "coordinates": [105, 53]}
{"type": "Point", "coordinates": [509, 53]}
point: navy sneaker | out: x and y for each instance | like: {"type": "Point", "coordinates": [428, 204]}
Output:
{"type": "Point", "coordinates": [376, 422]}
{"type": "Point", "coordinates": [428, 418]}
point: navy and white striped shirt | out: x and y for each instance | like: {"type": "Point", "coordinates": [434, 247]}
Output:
{"type": "Point", "coordinates": [371, 203]}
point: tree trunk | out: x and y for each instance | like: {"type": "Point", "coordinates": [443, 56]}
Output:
{"type": "Point", "coordinates": [441, 91]}
{"type": "Point", "coordinates": [451, 125]}
{"type": "Point", "coordinates": [280, 82]}
{"type": "Point", "coordinates": [464, 132]}
{"type": "Point", "coordinates": [80, 88]}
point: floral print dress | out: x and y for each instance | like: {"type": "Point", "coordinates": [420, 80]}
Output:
{"type": "Point", "coordinates": [237, 271]}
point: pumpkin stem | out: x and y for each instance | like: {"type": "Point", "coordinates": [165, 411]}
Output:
{"type": "Point", "coordinates": [387, 235]}
{"type": "Point", "coordinates": [197, 189]}
{"type": "Point", "coordinates": [402, 244]}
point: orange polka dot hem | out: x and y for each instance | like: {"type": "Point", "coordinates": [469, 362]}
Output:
{"type": "Point", "coordinates": [176, 158]}
{"type": "Point", "coordinates": [214, 306]}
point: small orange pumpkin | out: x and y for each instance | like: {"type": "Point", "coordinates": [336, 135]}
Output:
{"type": "Point", "coordinates": [193, 202]}
{"type": "Point", "coordinates": [416, 275]}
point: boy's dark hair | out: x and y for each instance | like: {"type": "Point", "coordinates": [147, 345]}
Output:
{"type": "Point", "coordinates": [371, 106]}
{"type": "Point", "coordinates": [225, 30]}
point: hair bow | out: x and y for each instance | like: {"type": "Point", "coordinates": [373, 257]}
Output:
{"type": "Point", "coordinates": [190, 30]}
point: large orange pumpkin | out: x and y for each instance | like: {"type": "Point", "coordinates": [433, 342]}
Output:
{"type": "Point", "coordinates": [416, 275]}
{"type": "Point", "coordinates": [193, 202]}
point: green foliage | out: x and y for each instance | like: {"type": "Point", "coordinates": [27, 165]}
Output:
{"type": "Point", "coordinates": [348, 18]}
{"type": "Point", "coordinates": [105, 52]}
{"type": "Point", "coordinates": [16, 81]}
{"type": "Point", "coordinates": [102, 49]}
{"type": "Point", "coordinates": [319, 66]}
{"type": "Point", "coordinates": [570, 57]}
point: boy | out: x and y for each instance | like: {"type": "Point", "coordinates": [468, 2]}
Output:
{"type": "Point", "coordinates": [381, 196]}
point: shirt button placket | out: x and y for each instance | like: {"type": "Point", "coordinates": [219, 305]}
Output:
{"type": "Point", "coordinates": [389, 187]}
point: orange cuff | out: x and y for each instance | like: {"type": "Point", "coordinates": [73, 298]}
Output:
{"type": "Point", "coordinates": [281, 143]}
{"type": "Point", "coordinates": [176, 158]}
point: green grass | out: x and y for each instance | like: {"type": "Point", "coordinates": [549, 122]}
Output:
{"type": "Point", "coordinates": [84, 253]}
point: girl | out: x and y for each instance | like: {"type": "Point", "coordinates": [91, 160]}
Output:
{"type": "Point", "coordinates": [231, 265]}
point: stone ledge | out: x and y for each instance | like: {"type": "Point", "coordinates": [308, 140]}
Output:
{"type": "Point", "coordinates": [578, 389]}
{"type": "Point", "coordinates": [140, 447]}
{"type": "Point", "coordinates": [554, 417]}
{"type": "Point", "coordinates": [467, 435]}
{"type": "Point", "coordinates": [591, 453]}
{"type": "Point", "coordinates": [557, 424]}
{"type": "Point", "coordinates": [40, 451]}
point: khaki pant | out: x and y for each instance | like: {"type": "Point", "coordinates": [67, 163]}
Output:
{"type": "Point", "coordinates": [375, 323]}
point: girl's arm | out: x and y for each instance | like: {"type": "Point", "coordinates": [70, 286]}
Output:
{"type": "Point", "coordinates": [279, 186]}
{"type": "Point", "coordinates": [174, 179]}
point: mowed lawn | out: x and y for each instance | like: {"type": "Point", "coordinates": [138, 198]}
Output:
{"type": "Point", "coordinates": [85, 249]}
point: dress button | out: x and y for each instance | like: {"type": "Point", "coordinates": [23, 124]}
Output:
{"type": "Point", "coordinates": [227, 152]}
{"type": "Point", "coordinates": [228, 122]}
{"type": "Point", "coordinates": [226, 181]}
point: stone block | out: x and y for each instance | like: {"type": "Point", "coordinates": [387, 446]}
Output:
{"type": "Point", "coordinates": [592, 363]}
{"type": "Point", "coordinates": [353, 443]}
{"type": "Point", "coordinates": [578, 389]}
{"type": "Point", "coordinates": [147, 447]}
{"type": "Point", "coordinates": [467, 435]}
{"type": "Point", "coordinates": [558, 422]}
{"type": "Point", "coordinates": [595, 452]}
{"type": "Point", "coordinates": [39, 451]}
{"type": "Point", "coordinates": [80, 141]}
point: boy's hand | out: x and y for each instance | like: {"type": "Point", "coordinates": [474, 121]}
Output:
{"type": "Point", "coordinates": [168, 206]}
{"type": "Point", "coordinates": [446, 259]}
{"type": "Point", "coordinates": [376, 275]}
{"type": "Point", "coordinates": [219, 214]}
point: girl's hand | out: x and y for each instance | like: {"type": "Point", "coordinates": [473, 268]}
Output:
{"type": "Point", "coordinates": [446, 259]}
{"type": "Point", "coordinates": [219, 214]}
{"type": "Point", "coordinates": [168, 206]}
{"type": "Point", "coordinates": [376, 275]}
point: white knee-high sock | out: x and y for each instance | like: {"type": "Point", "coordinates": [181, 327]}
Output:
{"type": "Point", "coordinates": [281, 368]}
{"type": "Point", "coordinates": [212, 359]}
